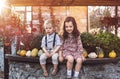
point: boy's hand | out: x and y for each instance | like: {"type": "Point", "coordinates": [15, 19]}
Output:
{"type": "Point", "coordinates": [47, 54]}
{"type": "Point", "coordinates": [52, 54]}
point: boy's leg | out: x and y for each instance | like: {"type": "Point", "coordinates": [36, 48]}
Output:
{"type": "Point", "coordinates": [55, 63]}
{"type": "Point", "coordinates": [77, 67]}
{"type": "Point", "coordinates": [70, 61]}
{"type": "Point", "coordinates": [42, 59]}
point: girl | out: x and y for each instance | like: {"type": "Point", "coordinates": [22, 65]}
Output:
{"type": "Point", "coordinates": [50, 45]}
{"type": "Point", "coordinates": [72, 49]}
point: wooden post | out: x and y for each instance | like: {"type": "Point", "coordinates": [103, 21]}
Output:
{"type": "Point", "coordinates": [6, 66]}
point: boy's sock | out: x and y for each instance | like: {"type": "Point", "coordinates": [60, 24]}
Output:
{"type": "Point", "coordinates": [76, 74]}
{"type": "Point", "coordinates": [69, 73]}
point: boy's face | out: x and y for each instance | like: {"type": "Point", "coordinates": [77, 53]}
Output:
{"type": "Point", "coordinates": [69, 27]}
{"type": "Point", "coordinates": [49, 29]}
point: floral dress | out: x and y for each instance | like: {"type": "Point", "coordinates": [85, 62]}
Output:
{"type": "Point", "coordinates": [72, 46]}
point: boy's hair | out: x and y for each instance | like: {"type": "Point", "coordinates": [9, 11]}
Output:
{"type": "Point", "coordinates": [50, 21]}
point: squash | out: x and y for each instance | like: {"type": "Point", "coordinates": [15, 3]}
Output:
{"type": "Point", "coordinates": [112, 54]}
{"type": "Point", "coordinates": [100, 52]}
{"type": "Point", "coordinates": [23, 53]}
{"type": "Point", "coordinates": [18, 52]}
{"type": "Point", "coordinates": [40, 52]}
{"type": "Point", "coordinates": [34, 52]}
{"type": "Point", "coordinates": [92, 55]}
{"type": "Point", "coordinates": [85, 54]}
{"type": "Point", "coordinates": [28, 54]}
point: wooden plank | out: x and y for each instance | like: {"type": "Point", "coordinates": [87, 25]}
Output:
{"type": "Point", "coordinates": [36, 59]}
{"type": "Point", "coordinates": [64, 2]}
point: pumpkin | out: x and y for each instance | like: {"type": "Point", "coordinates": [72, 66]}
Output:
{"type": "Point", "coordinates": [92, 55]}
{"type": "Point", "coordinates": [23, 53]}
{"type": "Point", "coordinates": [112, 54]}
{"type": "Point", "coordinates": [34, 52]}
{"type": "Point", "coordinates": [100, 52]}
{"type": "Point", "coordinates": [28, 54]}
{"type": "Point", "coordinates": [85, 54]}
{"type": "Point", "coordinates": [18, 52]}
{"type": "Point", "coordinates": [40, 52]}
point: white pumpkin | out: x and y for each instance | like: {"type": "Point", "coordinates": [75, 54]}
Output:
{"type": "Point", "coordinates": [92, 55]}
{"type": "Point", "coordinates": [28, 54]}
{"type": "Point", "coordinates": [40, 52]}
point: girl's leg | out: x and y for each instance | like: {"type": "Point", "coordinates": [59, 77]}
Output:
{"type": "Point", "coordinates": [42, 59]}
{"type": "Point", "coordinates": [55, 63]}
{"type": "Point", "coordinates": [70, 61]}
{"type": "Point", "coordinates": [77, 67]}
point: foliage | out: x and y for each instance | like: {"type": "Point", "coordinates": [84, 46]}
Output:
{"type": "Point", "coordinates": [107, 41]}
{"type": "Point", "coordinates": [97, 13]}
{"type": "Point", "coordinates": [88, 41]}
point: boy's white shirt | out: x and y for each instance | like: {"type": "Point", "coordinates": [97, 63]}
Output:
{"type": "Point", "coordinates": [50, 39]}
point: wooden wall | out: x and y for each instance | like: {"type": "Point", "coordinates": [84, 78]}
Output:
{"type": "Point", "coordinates": [64, 2]}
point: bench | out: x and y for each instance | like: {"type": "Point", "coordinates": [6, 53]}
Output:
{"type": "Point", "coordinates": [10, 57]}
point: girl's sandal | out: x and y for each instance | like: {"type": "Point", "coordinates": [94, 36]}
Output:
{"type": "Point", "coordinates": [54, 72]}
{"type": "Point", "coordinates": [45, 74]}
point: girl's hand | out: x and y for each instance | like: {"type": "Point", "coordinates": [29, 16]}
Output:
{"type": "Point", "coordinates": [83, 58]}
{"type": "Point", "coordinates": [61, 58]}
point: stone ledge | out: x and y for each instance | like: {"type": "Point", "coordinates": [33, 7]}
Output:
{"type": "Point", "coordinates": [36, 59]}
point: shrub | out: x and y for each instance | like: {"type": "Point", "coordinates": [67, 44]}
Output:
{"type": "Point", "coordinates": [88, 41]}
{"type": "Point", "coordinates": [107, 41]}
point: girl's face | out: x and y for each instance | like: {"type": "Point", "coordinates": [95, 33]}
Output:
{"type": "Point", "coordinates": [49, 29]}
{"type": "Point", "coordinates": [69, 27]}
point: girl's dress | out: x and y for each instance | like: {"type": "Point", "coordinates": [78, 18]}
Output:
{"type": "Point", "coordinates": [72, 46]}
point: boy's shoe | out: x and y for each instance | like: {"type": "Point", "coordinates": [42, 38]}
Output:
{"type": "Point", "coordinates": [54, 72]}
{"type": "Point", "coordinates": [45, 74]}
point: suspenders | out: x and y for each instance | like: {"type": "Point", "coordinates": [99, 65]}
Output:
{"type": "Point", "coordinates": [53, 40]}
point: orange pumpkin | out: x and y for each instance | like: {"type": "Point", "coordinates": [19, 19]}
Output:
{"type": "Point", "coordinates": [23, 53]}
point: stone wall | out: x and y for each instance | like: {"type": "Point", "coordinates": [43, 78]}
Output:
{"type": "Point", "coordinates": [1, 58]}
{"type": "Point", "coordinates": [20, 70]}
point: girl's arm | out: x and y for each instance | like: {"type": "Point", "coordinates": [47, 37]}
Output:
{"type": "Point", "coordinates": [80, 46]}
{"type": "Point", "coordinates": [60, 56]}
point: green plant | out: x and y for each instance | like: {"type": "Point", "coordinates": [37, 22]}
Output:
{"type": "Point", "coordinates": [107, 41]}
{"type": "Point", "coordinates": [88, 41]}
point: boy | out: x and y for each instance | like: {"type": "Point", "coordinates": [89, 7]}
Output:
{"type": "Point", "coordinates": [50, 46]}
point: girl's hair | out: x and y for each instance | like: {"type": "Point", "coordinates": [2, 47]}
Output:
{"type": "Point", "coordinates": [75, 32]}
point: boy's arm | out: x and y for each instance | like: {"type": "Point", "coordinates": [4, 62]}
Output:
{"type": "Point", "coordinates": [55, 49]}
{"type": "Point", "coordinates": [46, 52]}
{"type": "Point", "coordinates": [58, 43]}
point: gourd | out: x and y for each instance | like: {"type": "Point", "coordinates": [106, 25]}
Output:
{"type": "Point", "coordinates": [23, 53]}
{"type": "Point", "coordinates": [40, 52]}
{"type": "Point", "coordinates": [34, 52]}
{"type": "Point", "coordinates": [92, 55]}
{"type": "Point", "coordinates": [18, 52]}
{"type": "Point", "coordinates": [99, 52]}
{"type": "Point", "coordinates": [28, 54]}
{"type": "Point", "coordinates": [85, 54]}
{"type": "Point", "coordinates": [112, 54]}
